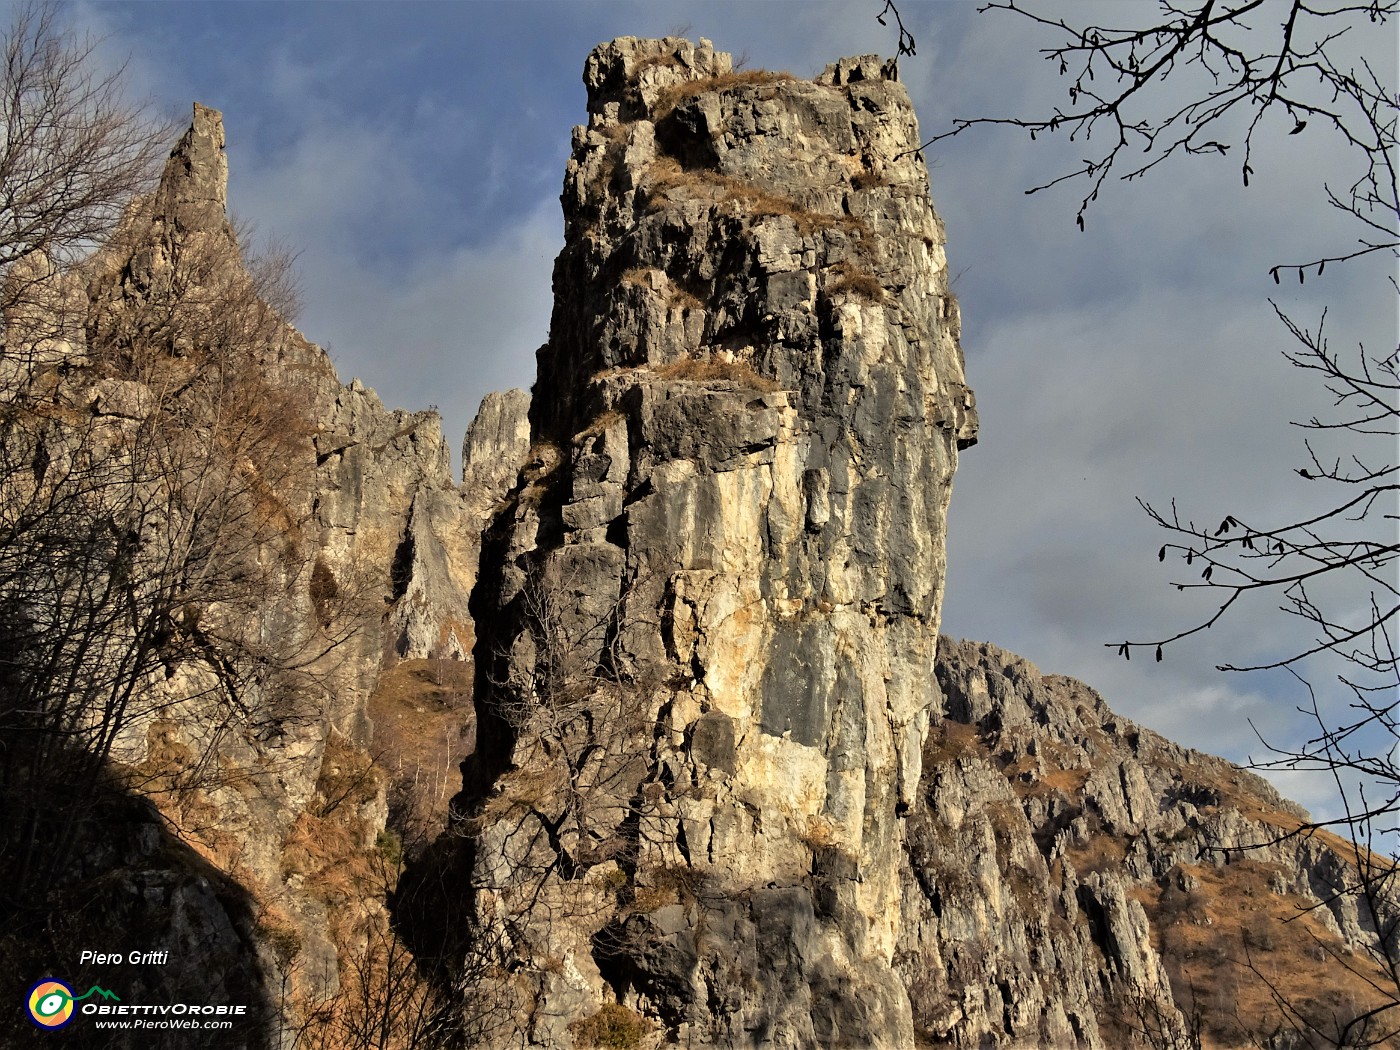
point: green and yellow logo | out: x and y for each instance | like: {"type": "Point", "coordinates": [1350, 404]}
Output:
{"type": "Point", "coordinates": [51, 1002]}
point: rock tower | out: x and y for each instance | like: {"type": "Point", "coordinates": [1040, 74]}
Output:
{"type": "Point", "coordinates": [709, 610]}
{"type": "Point", "coordinates": [723, 784]}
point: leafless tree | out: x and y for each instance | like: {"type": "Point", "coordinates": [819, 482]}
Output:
{"type": "Point", "coordinates": [384, 1001]}
{"type": "Point", "coordinates": [1252, 62]}
{"type": "Point", "coordinates": [1237, 70]}
{"type": "Point", "coordinates": [75, 150]}
{"type": "Point", "coordinates": [145, 524]}
{"type": "Point", "coordinates": [152, 480]}
{"type": "Point", "coordinates": [1148, 1021]}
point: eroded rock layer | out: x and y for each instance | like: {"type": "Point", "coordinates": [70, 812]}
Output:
{"type": "Point", "coordinates": [706, 646]}
{"type": "Point", "coordinates": [1075, 880]}
{"type": "Point", "coordinates": [288, 545]}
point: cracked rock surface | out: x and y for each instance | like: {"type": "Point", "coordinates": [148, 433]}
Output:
{"type": "Point", "coordinates": [713, 605]}
{"type": "Point", "coordinates": [725, 786]}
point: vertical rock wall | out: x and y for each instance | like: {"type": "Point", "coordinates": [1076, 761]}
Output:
{"type": "Point", "coordinates": [722, 794]}
{"type": "Point", "coordinates": [708, 614]}
{"type": "Point", "coordinates": [1074, 880]}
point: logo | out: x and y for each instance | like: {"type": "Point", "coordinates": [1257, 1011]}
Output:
{"type": "Point", "coordinates": [51, 1002]}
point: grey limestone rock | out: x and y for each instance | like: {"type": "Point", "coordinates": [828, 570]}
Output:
{"type": "Point", "coordinates": [497, 442]}
{"type": "Point", "coordinates": [374, 563]}
{"type": "Point", "coordinates": [727, 782]}
{"type": "Point", "coordinates": [714, 611]}
{"type": "Point", "coordinates": [193, 194]}
{"type": "Point", "coordinates": [1070, 875]}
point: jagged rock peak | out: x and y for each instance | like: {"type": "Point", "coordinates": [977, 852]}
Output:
{"type": "Point", "coordinates": [193, 192]}
{"type": "Point", "coordinates": [816, 185]}
{"type": "Point", "coordinates": [1163, 882]}
{"type": "Point", "coordinates": [497, 441]}
{"type": "Point", "coordinates": [630, 69]}
{"type": "Point", "coordinates": [713, 595]}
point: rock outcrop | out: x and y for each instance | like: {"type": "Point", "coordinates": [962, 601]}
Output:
{"type": "Point", "coordinates": [721, 784]}
{"type": "Point", "coordinates": [1073, 879]}
{"type": "Point", "coordinates": [706, 646]}
{"type": "Point", "coordinates": [294, 542]}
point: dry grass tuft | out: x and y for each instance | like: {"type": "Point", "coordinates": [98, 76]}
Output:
{"type": "Point", "coordinates": [869, 180]}
{"type": "Point", "coordinates": [951, 741]}
{"type": "Point", "coordinates": [614, 131]}
{"type": "Point", "coordinates": [544, 460]}
{"type": "Point", "coordinates": [606, 420]}
{"type": "Point", "coordinates": [710, 370]}
{"type": "Point", "coordinates": [676, 294]}
{"type": "Point", "coordinates": [1028, 782]}
{"type": "Point", "coordinates": [684, 298]}
{"type": "Point", "coordinates": [672, 96]}
{"type": "Point", "coordinates": [666, 176]}
{"type": "Point", "coordinates": [851, 280]}
{"type": "Point", "coordinates": [1101, 853]}
{"type": "Point", "coordinates": [663, 886]}
{"type": "Point", "coordinates": [614, 1027]}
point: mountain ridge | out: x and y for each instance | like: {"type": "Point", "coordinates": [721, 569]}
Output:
{"type": "Point", "coordinates": [642, 732]}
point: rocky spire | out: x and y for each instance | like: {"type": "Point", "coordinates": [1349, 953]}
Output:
{"type": "Point", "coordinates": [193, 194]}
{"type": "Point", "coordinates": [724, 788]}
{"type": "Point", "coordinates": [708, 629]}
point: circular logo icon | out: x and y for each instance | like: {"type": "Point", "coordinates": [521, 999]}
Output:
{"type": "Point", "coordinates": [50, 1003]}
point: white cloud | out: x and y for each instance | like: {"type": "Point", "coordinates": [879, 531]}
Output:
{"type": "Point", "coordinates": [447, 330]}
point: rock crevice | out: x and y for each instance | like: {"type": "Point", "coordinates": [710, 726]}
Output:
{"type": "Point", "coordinates": [722, 784]}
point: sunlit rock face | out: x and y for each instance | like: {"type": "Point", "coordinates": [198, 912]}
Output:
{"type": "Point", "coordinates": [726, 788]}
{"type": "Point", "coordinates": [1074, 879]}
{"type": "Point", "coordinates": [708, 614]}
{"type": "Point", "coordinates": [363, 545]}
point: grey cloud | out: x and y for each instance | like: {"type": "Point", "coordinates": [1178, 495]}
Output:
{"type": "Point", "coordinates": [1136, 359]}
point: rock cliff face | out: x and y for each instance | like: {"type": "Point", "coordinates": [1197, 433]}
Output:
{"type": "Point", "coordinates": [386, 550]}
{"type": "Point", "coordinates": [1073, 879]}
{"type": "Point", "coordinates": [718, 798]}
{"type": "Point", "coordinates": [341, 547]}
{"type": "Point", "coordinates": [715, 600]}
{"type": "Point", "coordinates": [722, 785]}
{"type": "Point", "coordinates": [376, 523]}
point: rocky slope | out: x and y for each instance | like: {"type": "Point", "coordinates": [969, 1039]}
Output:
{"type": "Point", "coordinates": [1073, 879]}
{"type": "Point", "coordinates": [717, 800]}
{"type": "Point", "coordinates": [721, 784]}
{"type": "Point", "coordinates": [348, 556]}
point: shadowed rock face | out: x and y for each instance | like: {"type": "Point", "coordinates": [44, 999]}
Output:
{"type": "Point", "coordinates": [193, 192]}
{"type": "Point", "coordinates": [709, 637]}
{"type": "Point", "coordinates": [371, 559]}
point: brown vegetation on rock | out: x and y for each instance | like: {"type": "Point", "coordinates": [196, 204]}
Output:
{"type": "Point", "coordinates": [670, 97]}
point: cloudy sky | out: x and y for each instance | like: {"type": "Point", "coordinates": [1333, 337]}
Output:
{"type": "Point", "coordinates": [413, 154]}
